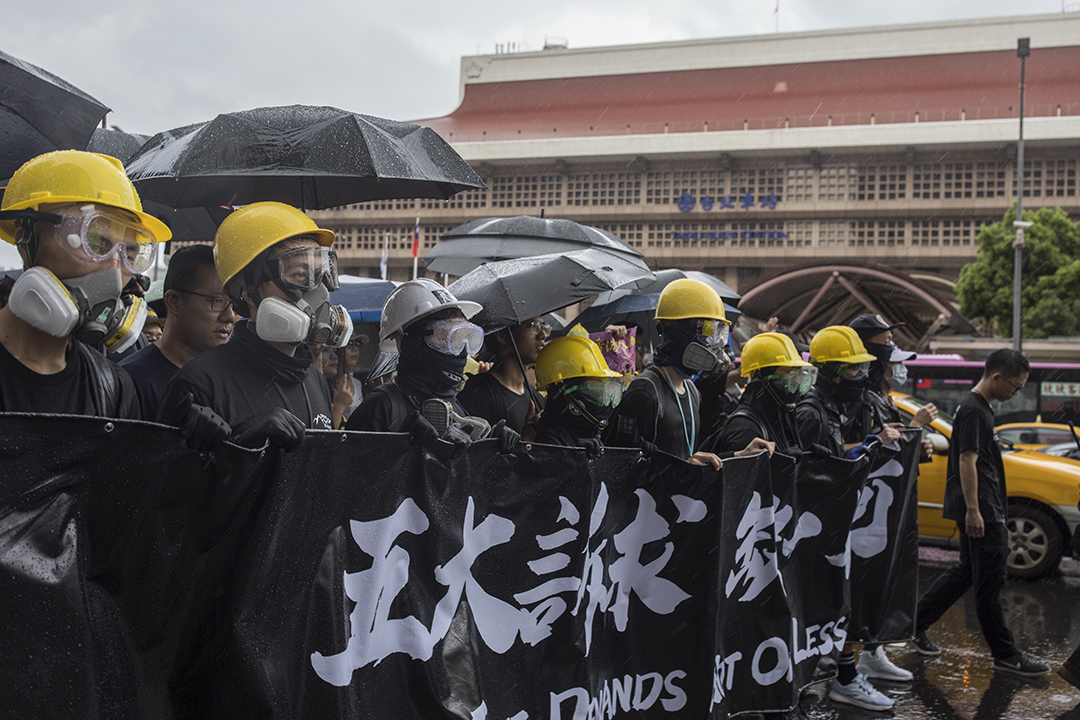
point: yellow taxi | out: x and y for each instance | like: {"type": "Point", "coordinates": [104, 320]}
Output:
{"type": "Point", "coordinates": [1033, 435]}
{"type": "Point", "coordinates": [1043, 491]}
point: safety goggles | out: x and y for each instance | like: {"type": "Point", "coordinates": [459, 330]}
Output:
{"type": "Point", "coordinates": [103, 233]}
{"type": "Point", "coordinates": [451, 336]}
{"type": "Point", "coordinates": [798, 381]}
{"type": "Point", "coordinates": [854, 371]}
{"type": "Point", "coordinates": [305, 268]}
{"type": "Point", "coordinates": [604, 393]}
{"type": "Point", "coordinates": [715, 332]}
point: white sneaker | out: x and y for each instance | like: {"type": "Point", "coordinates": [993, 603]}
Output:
{"type": "Point", "coordinates": [860, 693]}
{"type": "Point", "coordinates": [877, 665]}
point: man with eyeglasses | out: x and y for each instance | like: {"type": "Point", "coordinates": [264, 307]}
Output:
{"type": "Point", "coordinates": [199, 317]}
{"type": "Point", "coordinates": [504, 392]}
{"type": "Point", "coordinates": [277, 267]}
{"type": "Point", "coordinates": [975, 498]}
{"type": "Point", "coordinates": [80, 229]}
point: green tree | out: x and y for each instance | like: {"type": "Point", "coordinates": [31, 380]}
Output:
{"type": "Point", "coordinates": [1050, 283]}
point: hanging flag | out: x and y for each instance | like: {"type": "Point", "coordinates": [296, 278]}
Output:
{"type": "Point", "coordinates": [416, 238]}
{"type": "Point", "coordinates": [382, 262]}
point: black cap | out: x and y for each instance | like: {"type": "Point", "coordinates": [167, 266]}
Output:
{"type": "Point", "coordinates": [869, 325]}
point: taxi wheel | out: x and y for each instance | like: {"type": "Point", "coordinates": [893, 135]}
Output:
{"type": "Point", "coordinates": [1034, 541]}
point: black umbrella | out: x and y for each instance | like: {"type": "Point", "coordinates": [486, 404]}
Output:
{"type": "Point", "coordinates": [478, 241]}
{"type": "Point", "coordinates": [117, 143]}
{"type": "Point", "coordinates": [515, 290]}
{"type": "Point", "coordinates": [310, 157]}
{"type": "Point", "coordinates": [39, 113]}
{"type": "Point", "coordinates": [663, 277]}
{"type": "Point", "coordinates": [631, 307]}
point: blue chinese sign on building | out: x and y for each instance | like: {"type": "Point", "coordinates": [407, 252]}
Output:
{"type": "Point", "coordinates": [687, 202]}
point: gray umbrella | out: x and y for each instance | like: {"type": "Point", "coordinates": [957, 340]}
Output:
{"type": "Point", "coordinates": [40, 113]}
{"type": "Point", "coordinates": [515, 290]}
{"type": "Point", "coordinates": [310, 157]}
{"type": "Point", "coordinates": [117, 143]}
{"type": "Point", "coordinates": [487, 239]}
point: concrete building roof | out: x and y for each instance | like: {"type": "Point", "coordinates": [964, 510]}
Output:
{"type": "Point", "coordinates": [869, 76]}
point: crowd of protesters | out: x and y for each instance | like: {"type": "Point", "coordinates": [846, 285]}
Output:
{"type": "Point", "coordinates": [246, 347]}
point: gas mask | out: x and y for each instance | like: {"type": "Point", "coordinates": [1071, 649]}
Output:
{"type": "Point", "coordinates": [88, 308]}
{"type": "Point", "coordinates": [306, 274]}
{"type": "Point", "coordinates": [699, 346]}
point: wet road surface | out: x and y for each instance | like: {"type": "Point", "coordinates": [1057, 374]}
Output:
{"type": "Point", "coordinates": [1044, 617]}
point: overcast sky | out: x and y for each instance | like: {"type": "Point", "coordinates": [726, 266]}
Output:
{"type": "Point", "coordinates": [162, 65]}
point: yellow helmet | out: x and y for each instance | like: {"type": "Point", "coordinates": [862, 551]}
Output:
{"type": "Point", "coordinates": [770, 349]}
{"type": "Point", "coordinates": [685, 298]}
{"type": "Point", "coordinates": [247, 232]}
{"type": "Point", "coordinates": [838, 343]}
{"type": "Point", "coordinates": [74, 176]}
{"type": "Point", "coordinates": [570, 357]}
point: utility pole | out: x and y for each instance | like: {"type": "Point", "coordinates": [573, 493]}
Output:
{"type": "Point", "coordinates": [1023, 49]}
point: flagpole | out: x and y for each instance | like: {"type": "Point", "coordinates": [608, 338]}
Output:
{"type": "Point", "coordinates": [415, 247]}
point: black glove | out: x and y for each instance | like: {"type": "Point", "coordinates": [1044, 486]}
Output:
{"type": "Point", "coordinates": [593, 447]}
{"type": "Point", "coordinates": [203, 428]}
{"type": "Point", "coordinates": [422, 432]}
{"type": "Point", "coordinates": [819, 451]}
{"type": "Point", "coordinates": [460, 439]}
{"type": "Point", "coordinates": [280, 428]}
{"type": "Point", "coordinates": [507, 437]}
{"type": "Point", "coordinates": [647, 448]}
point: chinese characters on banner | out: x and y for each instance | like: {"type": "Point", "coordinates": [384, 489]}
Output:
{"type": "Point", "coordinates": [361, 576]}
{"type": "Point", "coordinates": [687, 202]}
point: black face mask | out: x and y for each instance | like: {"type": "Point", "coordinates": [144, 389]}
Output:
{"type": "Point", "coordinates": [427, 372]}
{"type": "Point", "coordinates": [877, 369]}
{"type": "Point", "coordinates": [849, 390]}
{"type": "Point", "coordinates": [582, 417]}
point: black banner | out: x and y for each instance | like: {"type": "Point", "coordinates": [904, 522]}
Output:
{"type": "Point", "coordinates": [363, 577]}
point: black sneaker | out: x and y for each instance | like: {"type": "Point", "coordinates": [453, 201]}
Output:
{"type": "Point", "coordinates": [923, 646]}
{"type": "Point", "coordinates": [1022, 666]}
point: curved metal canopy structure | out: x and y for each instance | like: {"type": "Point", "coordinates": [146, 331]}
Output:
{"type": "Point", "coordinates": [816, 295]}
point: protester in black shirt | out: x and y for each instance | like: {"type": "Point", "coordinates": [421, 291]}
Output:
{"type": "Point", "coordinates": [504, 392]}
{"type": "Point", "coordinates": [80, 249]}
{"type": "Point", "coordinates": [778, 378]}
{"type": "Point", "coordinates": [277, 267]}
{"type": "Point", "coordinates": [975, 498]}
{"type": "Point", "coordinates": [582, 392]}
{"type": "Point", "coordinates": [200, 317]}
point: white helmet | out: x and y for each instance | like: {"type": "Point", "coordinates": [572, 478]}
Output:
{"type": "Point", "coordinates": [417, 299]}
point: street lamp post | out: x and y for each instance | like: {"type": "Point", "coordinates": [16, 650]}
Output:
{"type": "Point", "coordinates": [1023, 49]}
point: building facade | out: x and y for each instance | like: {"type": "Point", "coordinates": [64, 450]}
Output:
{"type": "Point", "coordinates": [743, 156]}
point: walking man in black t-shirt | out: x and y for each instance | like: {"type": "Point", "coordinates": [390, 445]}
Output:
{"type": "Point", "coordinates": [200, 316]}
{"type": "Point", "coordinates": [79, 226]}
{"type": "Point", "coordinates": [975, 498]}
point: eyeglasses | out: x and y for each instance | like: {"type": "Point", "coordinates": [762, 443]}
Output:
{"type": "Point", "coordinates": [218, 303]}
{"type": "Point", "coordinates": [539, 327]}
{"type": "Point", "coordinates": [1016, 387]}
{"type": "Point", "coordinates": [104, 233]}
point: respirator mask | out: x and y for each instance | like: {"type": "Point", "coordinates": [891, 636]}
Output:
{"type": "Point", "coordinates": [707, 351]}
{"type": "Point", "coordinates": [307, 275]}
{"type": "Point", "coordinates": [88, 308]}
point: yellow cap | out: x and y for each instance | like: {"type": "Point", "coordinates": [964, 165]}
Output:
{"type": "Point", "coordinates": [770, 349]}
{"type": "Point", "coordinates": [246, 232]}
{"type": "Point", "coordinates": [685, 299]}
{"type": "Point", "coordinates": [839, 343]}
{"type": "Point", "coordinates": [569, 357]}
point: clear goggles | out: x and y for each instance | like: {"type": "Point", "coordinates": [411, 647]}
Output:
{"type": "Point", "coordinates": [305, 268]}
{"type": "Point", "coordinates": [452, 335]}
{"type": "Point", "coordinates": [604, 393]}
{"type": "Point", "coordinates": [798, 381]}
{"type": "Point", "coordinates": [715, 332]}
{"type": "Point", "coordinates": [103, 233]}
{"type": "Point", "coordinates": [854, 371]}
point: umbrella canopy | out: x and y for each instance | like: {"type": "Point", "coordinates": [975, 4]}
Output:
{"type": "Point", "coordinates": [117, 143]}
{"type": "Point", "coordinates": [515, 290]}
{"type": "Point", "coordinates": [189, 224]}
{"type": "Point", "coordinates": [39, 113]}
{"type": "Point", "coordinates": [663, 277]}
{"type": "Point", "coordinates": [309, 157]}
{"type": "Point", "coordinates": [363, 297]}
{"type": "Point", "coordinates": [489, 239]}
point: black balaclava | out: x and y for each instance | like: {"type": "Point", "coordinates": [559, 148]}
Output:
{"type": "Point", "coordinates": [574, 411]}
{"type": "Point", "coordinates": [784, 399]}
{"type": "Point", "coordinates": [426, 372]}
{"type": "Point", "coordinates": [877, 369]}
{"type": "Point", "coordinates": [677, 334]}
